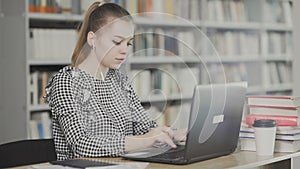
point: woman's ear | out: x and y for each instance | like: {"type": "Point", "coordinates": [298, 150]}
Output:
{"type": "Point", "coordinates": [91, 39]}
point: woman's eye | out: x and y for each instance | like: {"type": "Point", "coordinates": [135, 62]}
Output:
{"type": "Point", "coordinates": [116, 42]}
{"type": "Point", "coordinates": [129, 44]}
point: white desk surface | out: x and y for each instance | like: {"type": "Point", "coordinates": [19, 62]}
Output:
{"type": "Point", "coordinates": [236, 160]}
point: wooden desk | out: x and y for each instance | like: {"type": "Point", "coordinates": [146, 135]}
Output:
{"type": "Point", "coordinates": [237, 160]}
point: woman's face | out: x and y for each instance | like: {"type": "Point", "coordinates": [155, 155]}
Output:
{"type": "Point", "coordinates": [112, 43]}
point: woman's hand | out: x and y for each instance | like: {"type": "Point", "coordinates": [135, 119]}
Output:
{"type": "Point", "coordinates": [176, 135]}
{"type": "Point", "coordinates": [162, 135]}
{"type": "Point", "coordinates": [180, 135]}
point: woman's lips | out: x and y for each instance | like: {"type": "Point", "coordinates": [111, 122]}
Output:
{"type": "Point", "coordinates": [120, 59]}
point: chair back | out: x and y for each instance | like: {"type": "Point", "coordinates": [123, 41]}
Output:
{"type": "Point", "coordinates": [25, 152]}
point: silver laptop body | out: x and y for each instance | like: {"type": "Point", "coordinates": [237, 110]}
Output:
{"type": "Point", "coordinates": [213, 130]}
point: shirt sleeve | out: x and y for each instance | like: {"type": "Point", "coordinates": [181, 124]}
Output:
{"type": "Point", "coordinates": [142, 123]}
{"type": "Point", "coordinates": [67, 111]}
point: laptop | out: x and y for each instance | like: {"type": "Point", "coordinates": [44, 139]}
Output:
{"type": "Point", "coordinates": [213, 129]}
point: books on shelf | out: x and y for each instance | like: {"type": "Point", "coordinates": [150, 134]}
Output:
{"type": "Point", "coordinates": [52, 43]}
{"type": "Point", "coordinates": [186, 43]}
{"type": "Point", "coordinates": [33, 88]}
{"type": "Point", "coordinates": [177, 116]}
{"type": "Point", "coordinates": [287, 12]}
{"type": "Point", "coordinates": [277, 43]}
{"type": "Point", "coordinates": [132, 6]}
{"type": "Point", "coordinates": [150, 41]}
{"type": "Point", "coordinates": [181, 8]}
{"type": "Point", "coordinates": [141, 82]}
{"type": "Point", "coordinates": [234, 11]}
{"type": "Point", "coordinates": [284, 72]}
{"type": "Point", "coordinates": [186, 79]}
{"type": "Point", "coordinates": [221, 11]}
{"type": "Point", "coordinates": [165, 81]}
{"type": "Point", "coordinates": [174, 115]}
{"type": "Point", "coordinates": [278, 12]}
{"type": "Point", "coordinates": [195, 13]}
{"type": "Point", "coordinates": [156, 115]}
{"type": "Point", "coordinates": [43, 6]}
{"type": "Point", "coordinates": [219, 73]}
{"type": "Point", "coordinates": [34, 130]}
{"type": "Point", "coordinates": [230, 43]}
{"type": "Point", "coordinates": [58, 6]}
{"type": "Point", "coordinates": [38, 83]}
{"type": "Point", "coordinates": [40, 125]}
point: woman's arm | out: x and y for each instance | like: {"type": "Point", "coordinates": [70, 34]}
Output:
{"type": "Point", "coordinates": [142, 123]}
{"type": "Point", "coordinates": [146, 131]}
{"type": "Point", "coordinates": [73, 126]}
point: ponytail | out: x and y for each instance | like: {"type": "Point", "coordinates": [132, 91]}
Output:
{"type": "Point", "coordinates": [83, 36]}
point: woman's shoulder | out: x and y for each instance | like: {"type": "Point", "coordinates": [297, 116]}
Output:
{"type": "Point", "coordinates": [69, 72]}
{"type": "Point", "coordinates": [67, 76]}
{"type": "Point", "coordinates": [67, 79]}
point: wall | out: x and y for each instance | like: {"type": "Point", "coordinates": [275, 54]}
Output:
{"type": "Point", "coordinates": [13, 77]}
{"type": "Point", "coordinates": [1, 37]}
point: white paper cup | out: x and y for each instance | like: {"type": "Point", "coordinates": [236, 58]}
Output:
{"type": "Point", "coordinates": [265, 132]}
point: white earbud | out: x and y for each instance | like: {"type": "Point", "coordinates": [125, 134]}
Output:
{"type": "Point", "coordinates": [94, 44]}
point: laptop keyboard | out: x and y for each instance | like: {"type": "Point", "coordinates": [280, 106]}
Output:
{"type": "Point", "coordinates": [173, 153]}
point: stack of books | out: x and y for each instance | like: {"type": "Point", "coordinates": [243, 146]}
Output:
{"type": "Point", "coordinates": [287, 139]}
{"type": "Point", "coordinates": [284, 110]}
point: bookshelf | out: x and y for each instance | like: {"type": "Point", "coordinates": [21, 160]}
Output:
{"type": "Point", "coordinates": [296, 59]}
{"type": "Point", "coordinates": [250, 45]}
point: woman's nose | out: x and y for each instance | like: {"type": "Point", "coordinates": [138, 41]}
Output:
{"type": "Point", "coordinates": [124, 48]}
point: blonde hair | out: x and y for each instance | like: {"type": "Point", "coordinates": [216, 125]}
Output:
{"type": "Point", "coordinates": [96, 16]}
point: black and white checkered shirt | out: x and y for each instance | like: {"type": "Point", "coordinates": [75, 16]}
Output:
{"type": "Point", "coordinates": [91, 117]}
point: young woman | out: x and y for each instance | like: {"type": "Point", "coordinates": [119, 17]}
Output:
{"type": "Point", "coordinates": [94, 108]}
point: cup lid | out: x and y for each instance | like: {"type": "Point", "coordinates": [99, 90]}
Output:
{"type": "Point", "coordinates": [264, 123]}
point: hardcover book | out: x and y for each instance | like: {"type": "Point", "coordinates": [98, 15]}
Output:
{"type": "Point", "coordinates": [248, 144]}
{"type": "Point", "coordinates": [274, 110]}
{"type": "Point", "coordinates": [280, 120]}
{"type": "Point", "coordinates": [274, 100]}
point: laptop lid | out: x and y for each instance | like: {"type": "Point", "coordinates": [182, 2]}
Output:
{"type": "Point", "coordinates": [214, 123]}
{"type": "Point", "coordinates": [215, 120]}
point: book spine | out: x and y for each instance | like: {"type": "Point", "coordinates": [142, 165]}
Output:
{"type": "Point", "coordinates": [31, 6]}
{"type": "Point", "coordinates": [273, 107]}
{"type": "Point", "coordinates": [280, 120]}
{"type": "Point", "coordinates": [76, 7]}
{"type": "Point", "coordinates": [248, 144]}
